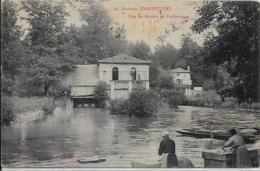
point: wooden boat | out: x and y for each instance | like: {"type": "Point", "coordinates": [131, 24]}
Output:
{"type": "Point", "coordinates": [206, 134]}
{"type": "Point", "coordinates": [91, 160]}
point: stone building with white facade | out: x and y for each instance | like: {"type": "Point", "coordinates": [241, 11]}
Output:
{"type": "Point", "coordinates": [122, 73]}
{"type": "Point", "coordinates": [182, 79]}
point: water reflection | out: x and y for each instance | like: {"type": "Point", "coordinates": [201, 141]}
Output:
{"type": "Point", "coordinates": [69, 133]}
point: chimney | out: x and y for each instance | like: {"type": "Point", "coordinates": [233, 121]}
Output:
{"type": "Point", "coordinates": [188, 68]}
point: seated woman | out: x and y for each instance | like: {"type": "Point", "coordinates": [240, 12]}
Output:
{"type": "Point", "coordinates": [240, 157]}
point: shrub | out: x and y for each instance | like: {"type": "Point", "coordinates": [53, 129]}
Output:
{"type": "Point", "coordinates": [255, 106]}
{"type": "Point", "coordinates": [153, 75]}
{"type": "Point", "coordinates": [142, 103]}
{"type": "Point", "coordinates": [165, 81]}
{"type": "Point", "coordinates": [101, 94]}
{"type": "Point", "coordinates": [206, 98]}
{"type": "Point", "coordinates": [7, 113]}
{"type": "Point", "coordinates": [209, 85]}
{"type": "Point", "coordinates": [173, 97]}
{"type": "Point", "coordinates": [48, 107]}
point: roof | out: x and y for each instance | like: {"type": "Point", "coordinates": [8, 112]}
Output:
{"type": "Point", "coordinates": [83, 75]}
{"type": "Point", "coordinates": [180, 70]}
{"type": "Point", "coordinates": [124, 59]}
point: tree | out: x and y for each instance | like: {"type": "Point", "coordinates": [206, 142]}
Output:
{"type": "Point", "coordinates": [11, 48]}
{"type": "Point", "coordinates": [165, 55]}
{"type": "Point", "coordinates": [237, 28]}
{"type": "Point", "coordinates": [154, 74]}
{"type": "Point", "coordinates": [51, 47]}
{"type": "Point", "coordinates": [98, 37]}
{"type": "Point", "coordinates": [190, 55]}
{"type": "Point", "coordinates": [46, 21]}
{"type": "Point", "coordinates": [141, 50]}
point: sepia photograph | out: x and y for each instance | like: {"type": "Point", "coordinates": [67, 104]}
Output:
{"type": "Point", "coordinates": [112, 84]}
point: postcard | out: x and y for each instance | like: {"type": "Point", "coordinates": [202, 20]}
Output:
{"type": "Point", "coordinates": [113, 84]}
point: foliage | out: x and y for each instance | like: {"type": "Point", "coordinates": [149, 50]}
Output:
{"type": "Point", "coordinates": [209, 85]}
{"type": "Point", "coordinates": [11, 48]}
{"type": "Point", "coordinates": [142, 103]}
{"type": "Point", "coordinates": [230, 19]}
{"type": "Point", "coordinates": [6, 85]}
{"type": "Point", "coordinates": [37, 63]}
{"type": "Point", "coordinates": [46, 22]}
{"type": "Point", "coordinates": [255, 106]}
{"type": "Point", "coordinates": [101, 94]}
{"type": "Point", "coordinates": [172, 97]}
{"type": "Point", "coordinates": [7, 113]}
{"type": "Point", "coordinates": [205, 98]}
{"type": "Point", "coordinates": [161, 79]}
{"type": "Point", "coordinates": [24, 104]}
{"type": "Point", "coordinates": [165, 81]}
{"type": "Point", "coordinates": [165, 55]}
{"type": "Point", "coordinates": [98, 37]}
{"type": "Point", "coordinates": [141, 50]}
{"type": "Point", "coordinates": [48, 107]}
{"type": "Point", "coordinates": [154, 74]}
{"type": "Point", "coordinates": [190, 55]}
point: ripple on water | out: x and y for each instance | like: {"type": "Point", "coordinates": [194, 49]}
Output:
{"type": "Point", "coordinates": [69, 133]}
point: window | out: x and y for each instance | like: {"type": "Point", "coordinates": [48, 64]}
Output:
{"type": "Point", "coordinates": [115, 73]}
{"type": "Point", "coordinates": [133, 73]}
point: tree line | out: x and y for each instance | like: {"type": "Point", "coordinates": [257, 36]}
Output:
{"type": "Point", "coordinates": [34, 61]}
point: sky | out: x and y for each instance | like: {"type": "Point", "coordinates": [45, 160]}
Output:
{"type": "Point", "coordinates": [143, 20]}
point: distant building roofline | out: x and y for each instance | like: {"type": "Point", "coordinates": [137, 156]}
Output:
{"type": "Point", "coordinates": [180, 70]}
{"type": "Point", "coordinates": [123, 59]}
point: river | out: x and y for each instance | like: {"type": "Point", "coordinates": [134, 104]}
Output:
{"type": "Point", "coordinates": [57, 140]}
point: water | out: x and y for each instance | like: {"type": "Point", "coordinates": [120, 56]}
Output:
{"type": "Point", "coordinates": [58, 140]}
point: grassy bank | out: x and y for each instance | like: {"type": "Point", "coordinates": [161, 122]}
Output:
{"type": "Point", "coordinates": [24, 104]}
{"type": "Point", "coordinates": [243, 106]}
{"type": "Point", "coordinates": [11, 106]}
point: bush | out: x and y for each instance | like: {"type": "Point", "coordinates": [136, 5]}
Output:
{"type": "Point", "coordinates": [209, 85]}
{"type": "Point", "coordinates": [165, 81]}
{"type": "Point", "coordinates": [255, 106]}
{"type": "Point", "coordinates": [206, 98]}
{"type": "Point", "coordinates": [7, 113]}
{"type": "Point", "coordinates": [173, 97]}
{"type": "Point", "coordinates": [48, 107]}
{"type": "Point", "coordinates": [101, 94]}
{"type": "Point", "coordinates": [229, 102]}
{"type": "Point", "coordinates": [142, 103]}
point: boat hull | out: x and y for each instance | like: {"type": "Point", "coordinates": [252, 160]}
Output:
{"type": "Point", "coordinates": [201, 134]}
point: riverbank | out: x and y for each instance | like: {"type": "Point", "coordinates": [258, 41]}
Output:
{"type": "Point", "coordinates": [13, 106]}
{"type": "Point", "coordinates": [29, 104]}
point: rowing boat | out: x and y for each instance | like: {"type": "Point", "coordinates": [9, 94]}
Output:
{"type": "Point", "coordinates": [91, 160]}
{"type": "Point", "coordinates": [215, 135]}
